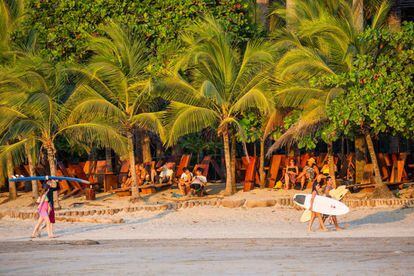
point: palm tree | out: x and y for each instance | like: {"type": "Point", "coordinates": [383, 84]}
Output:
{"type": "Point", "coordinates": [34, 93]}
{"type": "Point", "coordinates": [213, 83]}
{"type": "Point", "coordinates": [11, 11]}
{"type": "Point", "coordinates": [116, 83]}
{"type": "Point", "coordinates": [323, 42]}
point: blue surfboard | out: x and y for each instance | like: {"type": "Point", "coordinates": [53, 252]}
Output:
{"type": "Point", "coordinates": [48, 177]}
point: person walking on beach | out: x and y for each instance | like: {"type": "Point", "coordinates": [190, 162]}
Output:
{"type": "Point", "coordinates": [53, 186]}
{"type": "Point", "coordinates": [328, 188]}
{"type": "Point", "coordinates": [316, 190]}
{"type": "Point", "coordinates": [44, 208]}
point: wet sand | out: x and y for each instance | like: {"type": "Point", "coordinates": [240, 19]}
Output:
{"type": "Point", "coordinates": [336, 256]}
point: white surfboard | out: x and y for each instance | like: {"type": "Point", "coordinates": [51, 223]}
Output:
{"type": "Point", "coordinates": [321, 204]}
{"type": "Point", "coordinates": [339, 192]}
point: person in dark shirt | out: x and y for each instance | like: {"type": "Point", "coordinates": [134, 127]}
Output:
{"type": "Point", "coordinates": [53, 187]}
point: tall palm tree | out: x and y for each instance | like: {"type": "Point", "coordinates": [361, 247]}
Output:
{"type": "Point", "coordinates": [323, 42]}
{"type": "Point", "coordinates": [34, 93]}
{"type": "Point", "coordinates": [213, 83]}
{"type": "Point", "coordinates": [116, 83]}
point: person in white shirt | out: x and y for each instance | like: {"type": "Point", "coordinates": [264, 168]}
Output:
{"type": "Point", "coordinates": [185, 181]}
{"type": "Point", "coordinates": [199, 182]}
{"type": "Point", "coordinates": [166, 173]}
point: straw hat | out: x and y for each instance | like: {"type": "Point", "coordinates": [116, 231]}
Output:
{"type": "Point", "coordinates": [311, 160]}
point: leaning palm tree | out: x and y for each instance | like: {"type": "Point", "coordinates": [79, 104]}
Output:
{"type": "Point", "coordinates": [213, 83]}
{"type": "Point", "coordinates": [34, 93]}
{"type": "Point", "coordinates": [323, 42]}
{"type": "Point", "coordinates": [116, 83]}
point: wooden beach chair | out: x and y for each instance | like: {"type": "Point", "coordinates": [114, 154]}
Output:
{"type": "Point", "coordinates": [274, 168]}
{"type": "Point", "coordinates": [184, 162]}
{"type": "Point", "coordinates": [251, 172]}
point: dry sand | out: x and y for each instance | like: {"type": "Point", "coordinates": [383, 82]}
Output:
{"type": "Point", "coordinates": [219, 222]}
{"type": "Point", "coordinates": [214, 241]}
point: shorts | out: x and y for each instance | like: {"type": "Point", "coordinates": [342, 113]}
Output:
{"type": "Point", "coordinates": [195, 186]}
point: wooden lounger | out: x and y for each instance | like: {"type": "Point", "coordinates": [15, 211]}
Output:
{"type": "Point", "coordinates": [184, 162]}
{"type": "Point", "coordinates": [250, 176]}
{"type": "Point", "coordinates": [275, 163]}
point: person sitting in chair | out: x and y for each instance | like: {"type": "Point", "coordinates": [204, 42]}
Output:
{"type": "Point", "coordinates": [291, 173]}
{"type": "Point", "coordinates": [185, 181]}
{"type": "Point", "coordinates": [166, 173]}
{"type": "Point", "coordinates": [309, 173]}
{"type": "Point", "coordinates": [199, 182]}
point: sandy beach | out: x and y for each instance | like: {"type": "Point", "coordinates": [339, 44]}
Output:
{"type": "Point", "coordinates": [209, 240]}
{"type": "Point", "coordinates": [214, 223]}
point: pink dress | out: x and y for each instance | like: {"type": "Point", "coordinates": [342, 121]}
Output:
{"type": "Point", "coordinates": [42, 209]}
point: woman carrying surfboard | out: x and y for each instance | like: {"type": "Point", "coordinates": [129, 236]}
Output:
{"type": "Point", "coordinates": [316, 190]}
{"type": "Point", "coordinates": [329, 187]}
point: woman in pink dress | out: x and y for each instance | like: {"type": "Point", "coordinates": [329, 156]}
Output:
{"type": "Point", "coordinates": [43, 210]}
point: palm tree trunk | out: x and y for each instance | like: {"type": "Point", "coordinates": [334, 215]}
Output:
{"type": "Point", "coordinates": [146, 148]}
{"type": "Point", "coordinates": [360, 150]}
{"type": "Point", "coordinates": [261, 165]}
{"type": "Point", "coordinates": [134, 188]}
{"type": "Point", "coordinates": [50, 149]}
{"type": "Point", "coordinates": [10, 172]}
{"type": "Point", "coordinates": [381, 190]}
{"type": "Point", "coordinates": [331, 163]}
{"type": "Point", "coordinates": [108, 159]}
{"type": "Point", "coordinates": [35, 188]}
{"type": "Point", "coordinates": [233, 162]}
{"type": "Point", "coordinates": [358, 9]}
{"type": "Point", "coordinates": [227, 157]}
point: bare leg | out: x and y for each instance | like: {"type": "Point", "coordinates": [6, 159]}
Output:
{"type": "Point", "coordinates": [36, 229]}
{"type": "Point", "coordinates": [182, 188]}
{"type": "Point", "coordinates": [321, 224]}
{"type": "Point", "coordinates": [311, 222]}
{"type": "Point", "coordinates": [287, 181]}
{"type": "Point", "coordinates": [335, 222]}
{"type": "Point", "coordinates": [49, 228]}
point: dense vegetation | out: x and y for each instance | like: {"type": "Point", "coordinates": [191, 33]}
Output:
{"type": "Point", "coordinates": [95, 74]}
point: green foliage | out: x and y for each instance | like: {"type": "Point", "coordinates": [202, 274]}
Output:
{"type": "Point", "coordinates": [197, 143]}
{"type": "Point", "coordinates": [251, 123]}
{"type": "Point", "coordinates": [379, 90]}
{"type": "Point", "coordinates": [65, 25]}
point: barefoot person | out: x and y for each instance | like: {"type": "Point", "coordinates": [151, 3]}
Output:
{"type": "Point", "coordinates": [199, 182]}
{"type": "Point", "coordinates": [316, 190]}
{"type": "Point", "coordinates": [44, 208]}
{"type": "Point", "coordinates": [53, 187]}
{"type": "Point", "coordinates": [328, 188]}
{"type": "Point", "coordinates": [185, 181]}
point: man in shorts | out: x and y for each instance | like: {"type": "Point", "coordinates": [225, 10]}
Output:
{"type": "Point", "coordinates": [199, 182]}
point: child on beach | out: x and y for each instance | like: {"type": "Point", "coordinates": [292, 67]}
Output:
{"type": "Point", "coordinates": [185, 181]}
{"type": "Point", "coordinates": [44, 209]}
{"type": "Point", "coordinates": [316, 190]}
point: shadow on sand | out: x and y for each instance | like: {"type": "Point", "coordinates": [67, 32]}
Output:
{"type": "Point", "coordinates": [129, 222]}
{"type": "Point", "coordinates": [382, 217]}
